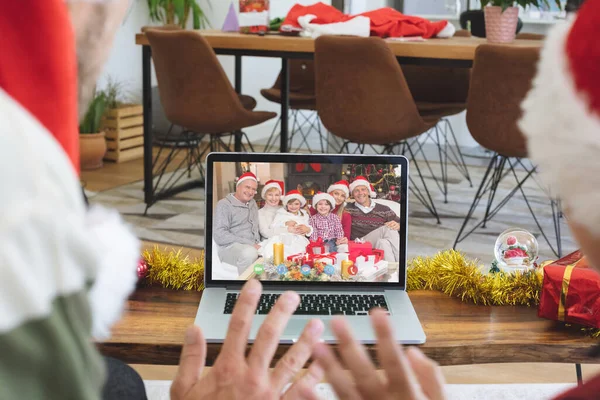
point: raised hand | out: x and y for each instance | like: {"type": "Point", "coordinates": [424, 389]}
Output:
{"type": "Point", "coordinates": [235, 376]}
{"type": "Point", "coordinates": [407, 374]}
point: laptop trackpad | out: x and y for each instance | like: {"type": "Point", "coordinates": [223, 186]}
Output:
{"type": "Point", "coordinates": [294, 329]}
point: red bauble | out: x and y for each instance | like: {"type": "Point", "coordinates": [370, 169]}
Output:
{"type": "Point", "coordinates": [392, 187]}
{"type": "Point", "coordinates": [142, 269]}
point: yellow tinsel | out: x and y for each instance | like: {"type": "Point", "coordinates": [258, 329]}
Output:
{"type": "Point", "coordinates": [174, 270]}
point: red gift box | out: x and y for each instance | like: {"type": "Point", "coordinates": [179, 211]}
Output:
{"type": "Point", "coordinates": [353, 246]}
{"type": "Point", "coordinates": [329, 258]}
{"type": "Point", "coordinates": [571, 292]}
{"type": "Point", "coordinates": [375, 252]}
{"type": "Point", "coordinates": [316, 247]}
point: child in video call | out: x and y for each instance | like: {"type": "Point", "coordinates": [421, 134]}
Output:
{"type": "Point", "coordinates": [326, 224]}
{"type": "Point", "coordinates": [295, 220]}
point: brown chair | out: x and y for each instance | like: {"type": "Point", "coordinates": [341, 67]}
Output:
{"type": "Point", "coordinates": [363, 98]}
{"type": "Point", "coordinates": [530, 36]}
{"type": "Point", "coordinates": [500, 79]}
{"type": "Point", "coordinates": [440, 92]}
{"type": "Point", "coordinates": [301, 99]}
{"type": "Point", "coordinates": [196, 95]}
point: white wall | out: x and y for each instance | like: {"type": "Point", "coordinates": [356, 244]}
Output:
{"type": "Point", "coordinates": [125, 62]}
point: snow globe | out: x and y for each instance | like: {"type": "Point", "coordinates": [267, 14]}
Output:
{"type": "Point", "coordinates": [516, 250]}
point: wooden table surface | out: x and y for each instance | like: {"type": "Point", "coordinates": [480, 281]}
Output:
{"type": "Point", "coordinates": [455, 48]}
{"type": "Point", "coordinates": [458, 333]}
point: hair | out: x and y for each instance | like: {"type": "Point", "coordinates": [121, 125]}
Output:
{"type": "Point", "coordinates": [272, 189]}
{"type": "Point", "coordinates": [340, 210]}
{"type": "Point", "coordinates": [328, 203]}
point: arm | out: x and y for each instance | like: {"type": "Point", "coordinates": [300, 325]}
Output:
{"type": "Point", "coordinates": [306, 222]}
{"type": "Point", "coordinates": [313, 235]}
{"type": "Point", "coordinates": [265, 226]}
{"type": "Point", "coordinates": [221, 227]}
{"type": "Point", "coordinates": [338, 231]}
{"type": "Point", "coordinates": [346, 224]}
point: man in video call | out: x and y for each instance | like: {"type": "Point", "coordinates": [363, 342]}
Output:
{"type": "Point", "coordinates": [235, 226]}
{"type": "Point", "coordinates": [372, 222]}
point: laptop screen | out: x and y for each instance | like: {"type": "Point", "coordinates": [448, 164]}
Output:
{"type": "Point", "coordinates": [306, 219]}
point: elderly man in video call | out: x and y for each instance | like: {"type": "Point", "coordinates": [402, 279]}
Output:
{"type": "Point", "coordinates": [373, 222]}
{"type": "Point", "coordinates": [235, 225]}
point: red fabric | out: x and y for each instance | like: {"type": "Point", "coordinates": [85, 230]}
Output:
{"type": "Point", "coordinates": [38, 67]}
{"type": "Point", "coordinates": [583, 53]}
{"type": "Point", "coordinates": [588, 391]}
{"type": "Point", "coordinates": [385, 22]}
{"type": "Point", "coordinates": [582, 305]}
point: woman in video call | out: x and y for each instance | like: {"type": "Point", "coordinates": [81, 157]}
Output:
{"type": "Point", "coordinates": [271, 193]}
{"type": "Point", "coordinates": [294, 220]}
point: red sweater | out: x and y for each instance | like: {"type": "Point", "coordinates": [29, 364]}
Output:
{"type": "Point", "coordinates": [590, 390]}
{"type": "Point", "coordinates": [39, 66]}
{"type": "Point", "coordinates": [346, 220]}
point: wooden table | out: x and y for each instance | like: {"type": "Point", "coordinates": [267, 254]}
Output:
{"type": "Point", "coordinates": [153, 327]}
{"type": "Point", "coordinates": [456, 52]}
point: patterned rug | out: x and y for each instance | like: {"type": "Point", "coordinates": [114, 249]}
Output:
{"type": "Point", "coordinates": [180, 220]}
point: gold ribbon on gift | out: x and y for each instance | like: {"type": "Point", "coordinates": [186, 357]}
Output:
{"type": "Point", "coordinates": [565, 289]}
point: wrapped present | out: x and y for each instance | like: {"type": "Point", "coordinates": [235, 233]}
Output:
{"type": "Point", "coordinates": [316, 247]}
{"type": "Point", "coordinates": [378, 254]}
{"type": "Point", "coordinates": [375, 271]}
{"type": "Point", "coordinates": [571, 292]}
{"type": "Point", "coordinates": [359, 245]}
{"type": "Point", "coordinates": [254, 16]}
{"type": "Point", "coordinates": [365, 262]}
{"type": "Point", "coordinates": [329, 258]}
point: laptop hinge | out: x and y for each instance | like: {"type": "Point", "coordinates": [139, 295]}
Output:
{"type": "Point", "coordinates": [308, 288]}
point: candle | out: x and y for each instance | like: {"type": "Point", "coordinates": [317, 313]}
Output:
{"type": "Point", "coordinates": [348, 269]}
{"type": "Point", "coordinates": [277, 253]}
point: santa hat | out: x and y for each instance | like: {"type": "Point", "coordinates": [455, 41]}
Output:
{"type": "Point", "coordinates": [323, 196]}
{"type": "Point", "coordinates": [245, 176]}
{"type": "Point", "coordinates": [559, 132]}
{"type": "Point", "coordinates": [340, 185]}
{"type": "Point", "coordinates": [372, 191]}
{"type": "Point", "coordinates": [294, 195]}
{"type": "Point", "coordinates": [270, 184]}
{"type": "Point", "coordinates": [362, 181]}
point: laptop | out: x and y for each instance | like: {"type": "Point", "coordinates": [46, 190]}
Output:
{"type": "Point", "coordinates": [346, 279]}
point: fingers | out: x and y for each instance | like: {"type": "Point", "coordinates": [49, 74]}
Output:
{"type": "Point", "coordinates": [241, 320]}
{"type": "Point", "coordinates": [295, 358]}
{"type": "Point", "coordinates": [357, 360]}
{"type": "Point", "coordinates": [267, 339]}
{"type": "Point", "coordinates": [191, 363]}
{"type": "Point", "coordinates": [304, 388]}
{"type": "Point", "coordinates": [399, 375]}
{"type": "Point", "coordinates": [428, 373]}
{"type": "Point", "coordinates": [341, 382]}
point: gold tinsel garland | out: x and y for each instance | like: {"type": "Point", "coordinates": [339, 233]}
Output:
{"type": "Point", "coordinates": [447, 271]}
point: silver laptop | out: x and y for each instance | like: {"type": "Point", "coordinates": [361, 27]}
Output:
{"type": "Point", "coordinates": [350, 279]}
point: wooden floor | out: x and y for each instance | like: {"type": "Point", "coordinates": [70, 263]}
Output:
{"type": "Point", "coordinates": [112, 175]}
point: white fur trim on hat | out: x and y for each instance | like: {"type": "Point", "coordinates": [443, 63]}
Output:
{"type": "Point", "coordinates": [339, 186]}
{"type": "Point", "coordinates": [271, 184]}
{"type": "Point", "coordinates": [293, 194]}
{"type": "Point", "coordinates": [563, 136]}
{"type": "Point", "coordinates": [323, 196]}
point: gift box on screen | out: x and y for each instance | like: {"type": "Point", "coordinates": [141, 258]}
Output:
{"type": "Point", "coordinates": [571, 292]}
{"type": "Point", "coordinates": [329, 258]}
{"type": "Point", "coordinates": [357, 246]}
{"type": "Point", "coordinates": [316, 247]}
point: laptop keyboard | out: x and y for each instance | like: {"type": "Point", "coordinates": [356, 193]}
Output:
{"type": "Point", "coordinates": [318, 304]}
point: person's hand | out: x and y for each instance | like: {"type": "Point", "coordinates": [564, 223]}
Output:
{"type": "Point", "coordinates": [408, 374]}
{"type": "Point", "coordinates": [343, 240]}
{"type": "Point", "coordinates": [393, 225]}
{"type": "Point", "coordinates": [235, 376]}
{"type": "Point", "coordinates": [292, 229]}
{"type": "Point", "coordinates": [291, 223]}
{"type": "Point", "coordinates": [257, 246]}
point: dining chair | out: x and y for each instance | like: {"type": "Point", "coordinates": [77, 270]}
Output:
{"type": "Point", "coordinates": [363, 98]}
{"type": "Point", "coordinates": [500, 79]}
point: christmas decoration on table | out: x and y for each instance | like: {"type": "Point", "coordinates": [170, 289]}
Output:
{"type": "Point", "coordinates": [254, 16]}
{"type": "Point", "coordinates": [515, 250]}
{"type": "Point", "coordinates": [571, 292]}
{"type": "Point", "coordinates": [278, 253]}
{"type": "Point", "coordinates": [358, 245]}
{"type": "Point", "coordinates": [142, 269]}
{"type": "Point", "coordinates": [174, 269]}
{"type": "Point", "coordinates": [315, 247]}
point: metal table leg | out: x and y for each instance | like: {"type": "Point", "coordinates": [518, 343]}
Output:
{"type": "Point", "coordinates": [238, 88]}
{"type": "Point", "coordinates": [147, 104]}
{"type": "Point", "coordinates": [285, 104]}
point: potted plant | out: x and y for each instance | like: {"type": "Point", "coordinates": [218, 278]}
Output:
{"type": "Point", "coordinates": [177, 12]}
{"type": "Point", "coordinates": [92, 145]}
{"type": "Point", "coordinates": [501, 17]}
{"type": "Point", "coordinates": [123, 125]}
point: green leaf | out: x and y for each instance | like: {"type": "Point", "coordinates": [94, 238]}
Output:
{"type": "Point", "coordinates": [93, 116]}
{"type": "Point", "coordinates": [179, 8]}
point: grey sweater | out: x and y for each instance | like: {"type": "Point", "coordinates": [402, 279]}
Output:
{"type": "Point", "coordinates": [235, 222]}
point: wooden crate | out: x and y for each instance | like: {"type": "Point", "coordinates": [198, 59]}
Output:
{"type": "Point", "coordinates": [124, 130]}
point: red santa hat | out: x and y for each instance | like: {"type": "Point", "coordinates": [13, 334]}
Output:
{"type": "Point", "coordinates": [294, 195]}
{"type": "Point", "coordinates": [362, 181]}
{"type": "Point", "coordinates": [270, 184]}
{"type": "Point", "coordinates": [561, 115]}
{"type": "Point", "coordinates": [372, 193]}
{"type": "Point", "coordinates": [323, 196]}
{"type": "Point", "coordinates": [245, 176]}
{"type": "Point", "coordinates": [340, 185]}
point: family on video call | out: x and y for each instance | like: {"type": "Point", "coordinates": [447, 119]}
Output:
{"type": "Point", "coordinates": [343, 233]}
